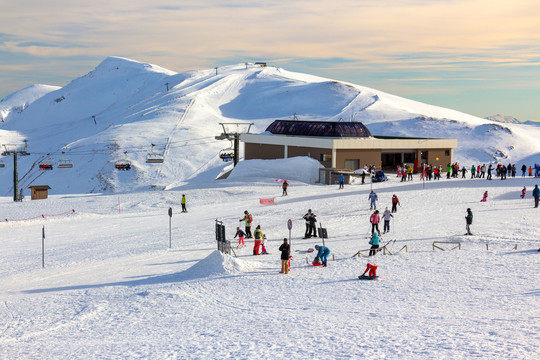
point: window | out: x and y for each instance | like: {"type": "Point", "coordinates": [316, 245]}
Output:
{"type": "Point", "coordinates": [447, 152]}
{"type": "Point", "coordinates": [326, 157]}
{"type": "Point", "coordinates": [352, 164]}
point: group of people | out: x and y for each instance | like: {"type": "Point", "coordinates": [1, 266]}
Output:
{"type": "Point", "coordinates": [311, 229]}
{"type": "Point", "coordinates": [375, 219]}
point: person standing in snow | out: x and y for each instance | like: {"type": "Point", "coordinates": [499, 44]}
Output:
{"type": "Point", "coordinates": [523, 170]}
{"type": "Point", "coordinates": [240, 235]}
{"type": "Point", "coordinates": [312, 225]}
{"type": "Point", "coordinates": [468, 220]}
{"type": "Point", "coordinates": [395, 203]}
{"type": "Point", "coordinates": [536, 195]}
{"type": "Point", "coordinates": [248, 220]}
{"type": "Point", "coordinates": [322, 254]}
{"type": "Point", "coordinates": [490, 168]}
{"type": "Point", "coordinates": [258, 234]}
{"type": "Point", "coordinates": [263, 245]}
{"type": "Point", "coordinates": [341, 181]}
{"type": "Point", "coordinates": [374, 219]}
{"type": "Point", "coordinates": [483, 171]}
{"type": "Point", "coordinates": [374, 242]}
{"type": "Point", "coordinates": [386, 217]}
{"type": "Point", "coordinates": [307, 217]}
{"type": "Point", "coordinates": [473, 171]}
{"type": "Point", "coordinates": [183, 203]}
{"type": "Point", "coordinates": [285, 186]}
{"type": "Point", "coordinates": [373, 200]}
{"type": "Point", "coordinates": [285, 249]}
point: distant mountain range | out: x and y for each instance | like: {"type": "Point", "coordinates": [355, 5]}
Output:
{"type": "Point", "coordinates": [511, 120]}
{"type": "Point", "coordinates": [126, 111]}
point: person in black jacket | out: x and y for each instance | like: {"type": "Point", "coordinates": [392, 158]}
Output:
{"type": "Point", "coordinates": [468, 220]}
{"type": "Point", "coordinates": [285, 249]}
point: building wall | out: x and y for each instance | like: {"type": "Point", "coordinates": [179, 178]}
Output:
{"type": "Point", "coordinates": [433, 154]}
{"type": "Point", "coordinates": [315, 153]}
{"type": "Point", "coordinates": [263, 151]}
{"type": "Point", "coordinates": [365, 156]}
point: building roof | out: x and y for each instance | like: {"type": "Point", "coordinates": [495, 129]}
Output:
{"type": "Point", "coordinates": [319, 128]}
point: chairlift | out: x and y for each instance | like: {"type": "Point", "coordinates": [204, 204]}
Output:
{"type": "Point", "coordinates": [123, 164]}
{"type": "Point", "coordinates": [154, 156]}
{"type": "Point", "coordinates": [46, 164]}
{"type": "Point", "coordinates": [227, 154]}
{"type": "Point", "coordinates": [65, 163]}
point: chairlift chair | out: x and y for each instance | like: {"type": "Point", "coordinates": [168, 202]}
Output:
{"type": "Point", "coordinates": [227, 154]}
{"type": "Point", "coordinates": [65, 163]}
{"type": "Point", "coordinates": [123, 164]}
{"type": "Point", "coordinates": [46, 164]}
{"type": "Point", "coordinates": [154, 157]}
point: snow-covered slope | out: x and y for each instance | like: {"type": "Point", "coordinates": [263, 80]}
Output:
{"type": "Point", "coordinates": [117, 111]}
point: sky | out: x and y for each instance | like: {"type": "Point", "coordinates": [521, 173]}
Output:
{"type": "Point", "coordinates": [481, 57]}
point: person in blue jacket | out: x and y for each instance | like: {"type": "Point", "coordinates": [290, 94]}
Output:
{"type": "Point", "coordinates": [322, 254]}
{"type": "Point", "coordinates": [375, 241]}
{"type": "Point", "coordinates": [373, 200]}
{"type": "Point", "coordinates": [341, 181]}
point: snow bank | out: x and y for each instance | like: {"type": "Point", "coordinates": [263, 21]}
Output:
{"type": "Point", "coordinates": [217, 264]}
{"type": "Point", "coordinates": [301, 168]}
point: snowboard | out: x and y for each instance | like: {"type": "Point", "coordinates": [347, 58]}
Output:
{"type": "Point", "coordinates": [367, 277]}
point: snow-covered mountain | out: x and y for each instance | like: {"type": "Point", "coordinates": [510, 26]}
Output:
{"type": "Point", "coordinates": [507, 119]}
{"type": "Point", "coordinates": [121, 108]}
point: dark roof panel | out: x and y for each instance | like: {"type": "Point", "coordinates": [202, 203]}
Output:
{"type": "Point", "coordinates": [318, 128]}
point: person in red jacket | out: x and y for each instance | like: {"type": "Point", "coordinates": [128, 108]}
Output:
{"type": "Point", "coordinates": [375, 219]}
{"type": "Point", "coordinates": [395, 203]}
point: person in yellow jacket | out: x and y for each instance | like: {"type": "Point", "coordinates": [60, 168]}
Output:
{"type": "Point", "coordinates": [258, 234]}
{"type": "Point", "coordinates": [248, 219]}
{"type": "Point", "coordinates": [183, 203]}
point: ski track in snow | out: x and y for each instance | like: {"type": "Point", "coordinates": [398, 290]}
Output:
{"type": "Point", "coordinates": [111, 288]}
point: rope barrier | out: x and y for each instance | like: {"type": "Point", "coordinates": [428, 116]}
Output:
{"type": "Point", "coordinates": [42, 216]}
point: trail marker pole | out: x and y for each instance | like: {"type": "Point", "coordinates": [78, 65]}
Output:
{"type": "Point", "coordinates": [289, 226]}
{"type": "Point", "coordinates": [43, 247]}
{"type": "Point", "coordinates": [170, 230]}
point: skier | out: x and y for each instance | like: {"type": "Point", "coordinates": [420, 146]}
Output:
{"type": "Point", "coordinates": [386, 217]}
{"type": "Point", "coordinates": [484, 198]}
{"type": "Point", "coordinates": [374, 242]}
{"type": "Point", "coordinates": [258, 239]}
{"type": "Point", "coordinates": [341, 181]}
{"type": "Point", "coordinates": [263, 245]}
{"type": "Point", "coordinates": [307, 217]}
{"type": "Point", "coordinates": [523, 192]}
{"type": "Point", "coordinates": [248, 219]}
{"type": "Point", "coordinates": [373, 200]}
{"type": "Point", "coordinates": [395, 203]}
{"type": "Point", "coordinates": [468, 220]}
{"type": "Point", "coordinates": [536, 195]}
{"type": "Point", "coordinates": [183, 203]}
{"type": "Point", "coordinates": [374, 219]}
{"type": "Point", "coordinates": [322, 254]}
{"type": "Point", "coordinates": [285, 249]}
{"type": "Point", "coordinates": [284, 186]}
{"type": "Point", "coordinates": [240, 235]}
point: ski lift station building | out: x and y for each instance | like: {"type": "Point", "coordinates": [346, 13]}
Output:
{"type": "Point", "coordinates": [344, 145]}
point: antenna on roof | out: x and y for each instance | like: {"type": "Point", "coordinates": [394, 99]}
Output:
{"type": "Point", "coordinates": [294, 117]}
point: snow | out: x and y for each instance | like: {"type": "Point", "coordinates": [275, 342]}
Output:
{"type": "Point", "coordinates": [112, 288]}
{"type": "Point", "coordinates": [117, 285]}
{"type": "Point", "coordinates": [118, 110]}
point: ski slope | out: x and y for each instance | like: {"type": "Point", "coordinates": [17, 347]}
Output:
{"type": "Point", "coordinates": [112, 288]}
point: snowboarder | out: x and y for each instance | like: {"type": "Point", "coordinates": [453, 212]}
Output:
{"type": "Point", "coordinates": [240, 235]}
{"type": "Point", "coordinates": [386, 217]}
{"type": "Point", "coordinates": [258, 239]}
{"type": "Point", "coordinates": [322, 254]}
{"type": "Point", "coordinates": [284, 186]}
{"type": "Point", "coordinates": [183, 203]}
{"type": "Point", "coordinates": [285, 249]}
{"type": "Point", "coordinates": [468, 220]}
{"type": "Point", "coordinates": [523, 191]}
{"type": "Point", "coordinates": [374, 242]}
{"type": "Point", "coordinates": [536, 195]}
{"type": "Point", "coordinates": [248, 219]}
{"type": "Point", "coordinates": [372, 268]}
{"type": "Point", "coordinates": [341, 181]}
{"type": "Point", "coordinates": [373, 200]}
{"type": "Point", "coordinates": [484, 198]}
{"type": "Point", "coordinates": [395, 203]}
{"type": "Point", "coordinates": [374, 219]}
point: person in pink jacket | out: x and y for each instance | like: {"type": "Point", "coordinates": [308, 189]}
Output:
{"type": "Point", "coordinates": [375, 219]}
{"type": "Point", "coordinates": [484, 199]}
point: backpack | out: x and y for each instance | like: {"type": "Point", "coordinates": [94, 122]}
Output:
{"type": "Point", "coordinates": [250, 218]}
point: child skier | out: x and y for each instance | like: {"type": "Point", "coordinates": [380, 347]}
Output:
{"type": "Point", "coordinates": [240, 235]}
{"type": "Point", "coordinates": [263, 245]}
{"type": "Point", "coordinates": [523, 192]}
{"type": "Point", "coordinates": [386, 217]}
{"type": "Point", "coordinates": [484, 199]}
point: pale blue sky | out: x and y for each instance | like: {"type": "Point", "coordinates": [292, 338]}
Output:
{"type": "Point", "coordinates": [477, 56]}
